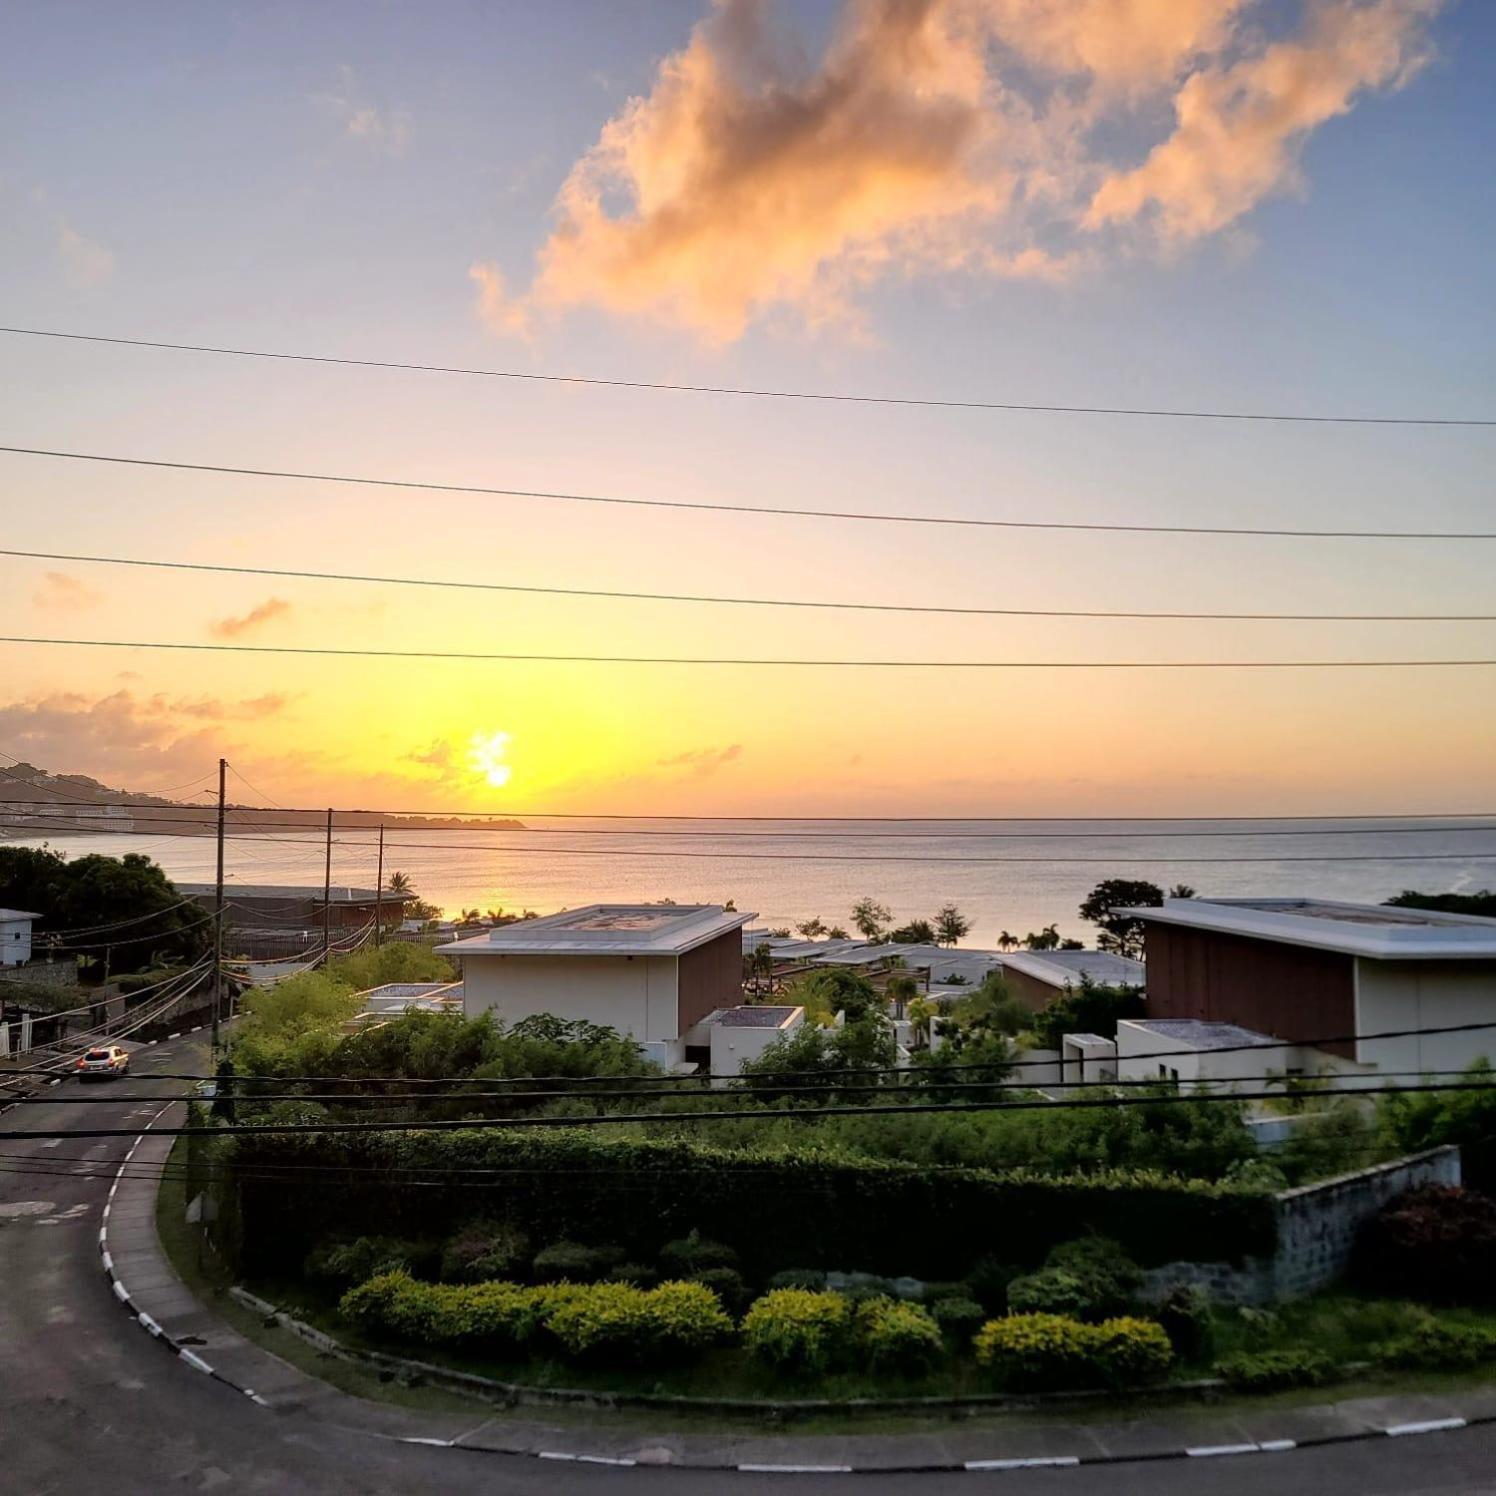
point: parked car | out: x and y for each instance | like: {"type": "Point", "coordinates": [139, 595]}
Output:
{"type": "Point", "coordinates": [104, 1063]}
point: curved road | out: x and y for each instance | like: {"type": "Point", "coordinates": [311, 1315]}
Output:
{"type": "Point", "coordinates": [88, 1403]}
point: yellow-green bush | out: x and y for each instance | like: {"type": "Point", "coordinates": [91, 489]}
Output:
{"type": "Point", "coordinates": [897, 1337]}
{"type": "Point", "coordinates": [586, 1321]}
{"type": "Point", "coordinates": [1052, 1352]}
{"type": "Point", "coordinates": [798, 1329]}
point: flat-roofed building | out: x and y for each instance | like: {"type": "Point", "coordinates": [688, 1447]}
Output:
{"type": "Point", "coordinates": [651, 971]}
{"type": "Point", "coordinates": [1330, 975]}
{"type": "Point", "coordinates": [15, 936]}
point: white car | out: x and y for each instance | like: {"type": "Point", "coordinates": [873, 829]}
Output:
{"type": "Point", "coordinates": [104, 1063]}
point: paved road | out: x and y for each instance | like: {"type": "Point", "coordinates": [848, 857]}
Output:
{"type": "Point", "coordinates": [89, 1404]}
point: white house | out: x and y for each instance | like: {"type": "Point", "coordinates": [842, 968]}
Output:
{"type": "Point", "coordinates": [651, 971]}
{"type": "Point", "coordinates": [15, 936]}
{"type": "Point", "coordinates": [1328, 975]}
{"type": "Point", "coordinates": [726, 1040]}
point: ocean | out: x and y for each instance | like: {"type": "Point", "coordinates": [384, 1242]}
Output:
{"type": "Point", "coordinates": [1004, 875]}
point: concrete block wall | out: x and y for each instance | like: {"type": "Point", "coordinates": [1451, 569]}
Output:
{"type": "Point", "coordinates": [1317, 1225]}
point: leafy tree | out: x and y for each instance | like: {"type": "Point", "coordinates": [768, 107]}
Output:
{"type": "Point", "coordinates": [836, 932]}
{"type": "Point", "coordinates": [916, 932]}
{"type": "Point", "coordinates": [86, 892]}
{"type": "Point", "coordinates": [399, 883]}
{"type": "Point", "coordinates": [824, 994]}
{"type": "Point", "coordinates": [1120, 933]}
{"type": "Point", "coordinates": [870, 917]}
{"type": "Point", "coordinates": [1482, 902]}
{"type": "Point", "coordinates": [951, 925]}
{"type": "Point", "coordinates": [1047, 939]}
{"type": "Point", "coordinates": [1181, 891]}
{"type": "Point", "coordinates": [761, 968]}
{"type": "Point", "coordinates": [1087, 1009]}
{"type": "Point", "coordinates": [812, 928]}
{"type": "Point", "coordinates": [861, 1047]}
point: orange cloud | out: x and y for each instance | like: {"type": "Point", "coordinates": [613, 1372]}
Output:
{"type": "Point", "coordinates": [1238, 128]}
{"type": "Point", "coordinates": [59, 590]}
{"type": "Point", "coordinates": [932, 136]}
{"type": "Point", "coordinates": [267, 611]}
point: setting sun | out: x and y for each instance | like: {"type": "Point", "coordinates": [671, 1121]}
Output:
{"type": "Point", "coordinates": [486, 755]}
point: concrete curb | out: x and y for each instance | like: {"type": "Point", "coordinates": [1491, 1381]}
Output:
{"type": "Point", "coordinates": [331, 1346]}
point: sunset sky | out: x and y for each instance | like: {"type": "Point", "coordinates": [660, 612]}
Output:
{"type": "Point", "coordinates": [1189, 203]}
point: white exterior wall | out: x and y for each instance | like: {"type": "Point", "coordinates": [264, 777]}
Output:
{"type": "Point", "coordinates": [637, 995]}
{"type": "Point", "coordinates": [15, 942]}
{"type": "Point", "coordinates": [1394, 995]}
{"type": "Point", "coordinates": [733, 1047]}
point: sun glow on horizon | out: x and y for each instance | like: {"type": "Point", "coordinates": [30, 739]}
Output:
{"type": "Point", "coordinates": [486, 752]}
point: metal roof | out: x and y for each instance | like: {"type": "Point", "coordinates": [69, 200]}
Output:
{"type": "Point", "coordinates": [1070, 968]}
{"type": "Point", "coordinates": [338, 894]}
{"type": "Point", "coordinates": [606, 930]}
{"type": "Point", "coordinates": [1376, 931]}
{"type": "Point", "coordinates": [10, 914]}
{"type": "Point", "coordinates": [1200, 1033]}
{"type": "Point", "coordinates": [751, 1015]}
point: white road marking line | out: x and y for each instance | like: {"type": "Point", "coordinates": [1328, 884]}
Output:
{"type": "Point", "coordinates": [148, 1323]}
{"type": "Point", "coordinates": [788, 1469]}
{"type": "Point", "coordinates": [1038, 1462]}
{"type": "Point", "coordinates": [55, 1143]}
{"type": "Point", "coordinates": [1430, 1426]}
{"type": "Point", "coordinates": [1209, 1451]}
{"type": "Point", "coordinates": [419, 1439]}
{"type": "Point", "coordinates": [194, 1360]}
{"type": "Point", "coordinates": [121, 1292]}
{"type": "Point", "coordinates": [1278, 1446]}
{"type": "Point", "coordinates": [108, 1263]}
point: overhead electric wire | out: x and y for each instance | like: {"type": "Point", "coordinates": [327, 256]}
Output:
{"type": "Point", "coordinates": [397, 833]}
{"type": "Point", "coordinates": [607, 1119]}
{"type": "Point", "coordinates": [619, 815]}
{"type": "Point", "coordinates": [931, 402]}
{"type": "Point", "coordinates": [742, 661]}
{"type": "Point", "coordinates": [874, 517]}
{"type": "Point", "coordinates": [734, 601]}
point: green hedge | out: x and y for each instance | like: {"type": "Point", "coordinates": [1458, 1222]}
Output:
{"type": "Point", "coordinates": [1051, 1353]}
{"type": "Point", "coordinates": [777, 1211]}
{"type": "Point", "coordinates": [611, 1323]}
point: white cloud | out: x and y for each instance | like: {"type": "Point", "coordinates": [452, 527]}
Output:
{"type": "Point", "coordinates": [85, 262]}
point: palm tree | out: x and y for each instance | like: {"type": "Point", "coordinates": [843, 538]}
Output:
{"type": "Point", "coordinates": [399, 883]}
{"type": "Point", "coordinates": [901, 990]}
{"type": "Point", "coordinates": [761, 967]}
{"type": "Point", "coordinates": [1007, 941]}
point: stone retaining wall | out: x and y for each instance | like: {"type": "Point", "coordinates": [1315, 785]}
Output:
{"type": "Point", "coordinates": [1317, 1225]}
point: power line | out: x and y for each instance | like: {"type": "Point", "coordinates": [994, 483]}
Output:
{"type": "Point", "coordinates": [753, 393]}
{"type": "Point", "coordinates": [1113, 859]}
{"type": "Point", "coordinates": [489, 1124]}
{"type": "Point", "coordinates": [261, 823]}
{"type": "Point", "coordinates": [744, 661]}
{"type": "Point", "coordinates": [696, 504]}
{"type": "Point", "coordinates": [618, 815]}
{"type": "Point", "coordinates": [756, 602]}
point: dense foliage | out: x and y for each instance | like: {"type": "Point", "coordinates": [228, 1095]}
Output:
{"type": "Point", "coordinates": [84, 893]}
{"type": "Point", "coordinates": [609, 1323]}
{"type": "Point", "coordinates": [787, 1209]}
{"type": "Point", "coordinates": [1052, 1353]}
{"type": "Point", "coordinates": [1087, 1009]}
{"type": "Point", "coordinates": [1274, 1370]}
{"type": "Point", "coordinates": [1482, 902]}
{"type": "Point", "coordinates": [1122, 933]}
{"type": "Point", "coordinates": [1437, 1242]}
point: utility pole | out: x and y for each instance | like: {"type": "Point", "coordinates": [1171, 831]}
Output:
{"type": "Point", "coordinates": [327, 896]}
{"type": "Point", "coordinates": [218, 909]}
{"type": "Point", "coordinates": [379, 891]}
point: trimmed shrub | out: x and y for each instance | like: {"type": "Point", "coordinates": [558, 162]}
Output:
{"type": "Point", "coordinates": [1439, 1347]}
{"type": "Point", "coordinates": [1184, 1313]}
{"type": "Point", "coordinates": [1435, 1243]}
{"type": "Point", "coordinates": [1052, 1290]}
{"type": "Point", "coordinates": [959, 1319]}
{"type": "Point", "coordinates": [1053, 1353]}
{"type": "Point", "coordinates": [1131, 1352]}
{"type": "Point", "coordinates": [1036, 1352]}
{"type": "Point", "coordinates": [604, 1322]}
{"type": "Point", "coordinates": [344, 1263]}
{"type": "Point", "coordinates": [799, 1330]}
{"type": "Point", "coordinates": [484, 1250]}
{"type": "Point", "coordinates": [1091, 1278]}
{"type": "Point", "coordinates": [933, 1293]}
{"type": "Point", "coordinates": [896, 1336]}
{"type": "Point", "coordinates": [571, 1262]}
{"type": "Point", "coordinates": [727, 1283]}
{"type": "Point", "coordinates": [796, 1208]}
{"type": "Point", "coordinates": [692, 1255]}
{"type": "Point", "coordinates": [616, 1322]}
{"type": "Point", "coordinates": [1275, 1371]}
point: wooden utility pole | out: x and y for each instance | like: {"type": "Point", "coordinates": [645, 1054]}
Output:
{"type": "Point", "coordinates": [327, 896]}
{"type": "Point", "coordinates": [218, 909]}
{"type": "Point", "coordinates": [379, 892]}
